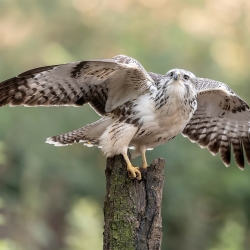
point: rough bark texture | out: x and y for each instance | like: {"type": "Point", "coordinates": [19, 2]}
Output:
{"type": "Point", "coordinates": [132, 209]}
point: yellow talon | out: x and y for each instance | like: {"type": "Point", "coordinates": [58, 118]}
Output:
{"type": "Point", "coordinates": [133, 172]}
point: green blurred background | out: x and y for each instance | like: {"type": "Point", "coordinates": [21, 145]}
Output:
{"type": "Point", "coordinates": [51, 198]}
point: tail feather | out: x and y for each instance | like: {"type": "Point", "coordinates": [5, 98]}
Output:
{"type": "Point", "coordinates": [75, 136]}
{"type": "Point", "coordinates": [89, 135]}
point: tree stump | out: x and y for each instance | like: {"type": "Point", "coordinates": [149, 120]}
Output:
{"type": "Point", "coordinates": [132, 208]}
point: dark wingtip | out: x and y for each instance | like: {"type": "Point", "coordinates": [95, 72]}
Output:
{"type": "Point", "coordinates": [240, 161]}
{"type": "Point", "coordinates": [238, 152]}
{"type": "Point", "coordinates": [246, 142]}
{"type": "Point", "coordinates": [214, 146]}
{"type": "Point", "coordinates": [225, 153]}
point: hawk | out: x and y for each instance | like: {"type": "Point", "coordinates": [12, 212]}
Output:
{"type": "Point", "coordinates": [138, 109]}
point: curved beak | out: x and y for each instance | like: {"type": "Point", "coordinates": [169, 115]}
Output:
{"type": "Point", "coordinates": [176, 76]}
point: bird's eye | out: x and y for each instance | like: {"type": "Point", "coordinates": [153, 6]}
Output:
{"type": "Point", "coordinates": [171, 74]}
{"type": "Point", "coordinates": [186, 77]}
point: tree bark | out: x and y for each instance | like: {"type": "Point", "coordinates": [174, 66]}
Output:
{"type": "Point", "coordinates": [132, 209]}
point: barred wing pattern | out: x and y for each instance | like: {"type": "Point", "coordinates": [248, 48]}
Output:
{"type": "Point", "coordinates": [222, 120]}
{"type": "Point", "coordinates": [104, 84]}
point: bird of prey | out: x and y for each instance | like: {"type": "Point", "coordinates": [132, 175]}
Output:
{"type": "Point", "coordinates": [138, 109]}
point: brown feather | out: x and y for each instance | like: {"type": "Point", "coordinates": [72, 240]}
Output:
{"type": "Point", "coordinates": [238, 152]}
{"type": "Point", "coordinates": [246, 142]}
{"type": "Point", "coordinates": [225, 153]}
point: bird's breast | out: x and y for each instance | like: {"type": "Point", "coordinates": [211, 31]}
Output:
{"type": "Point", "coordinates": [166, 120]}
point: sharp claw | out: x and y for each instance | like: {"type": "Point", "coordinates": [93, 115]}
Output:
{"type": "Point", "coordinates": [138, 175]}
{"type": "Point", "coordinates": [134, 173]}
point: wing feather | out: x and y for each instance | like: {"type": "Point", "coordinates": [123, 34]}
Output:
{"type": "Point", "coordinates": [222, 120]}
{"type": "Point", "coordinates": [246, 144]}
{"type": "Point", "coordinates": [104, 84]}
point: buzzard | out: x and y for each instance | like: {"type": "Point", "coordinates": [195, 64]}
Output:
{"type": "Point", "coordinates": [138, 109]}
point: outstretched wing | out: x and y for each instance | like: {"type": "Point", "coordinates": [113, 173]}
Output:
{"type": "Point", "coordinates": [104, 84]}
{"type": "Point", "coordinates": [222, 120]}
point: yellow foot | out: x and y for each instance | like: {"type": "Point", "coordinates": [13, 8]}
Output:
{"type": "Point", "coordinates": [134, 172]}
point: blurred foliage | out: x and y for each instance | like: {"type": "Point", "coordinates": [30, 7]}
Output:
{"type": "Point", "coordinates": [51, 198]}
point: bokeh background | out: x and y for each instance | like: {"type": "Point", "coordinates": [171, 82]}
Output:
{"type": "Point", "coordinates": [52, 198]}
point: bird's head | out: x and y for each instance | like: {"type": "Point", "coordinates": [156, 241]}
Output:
{"type": "Point", "coordinates": [179, 82]}
{"type": "Point", "coordinates": [180, 76]}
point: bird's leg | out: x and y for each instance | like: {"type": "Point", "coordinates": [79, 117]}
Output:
{"type": "Point", "coordinates": [115, 140]}
{"type": "Point", "coordinates": [133, 172]}
{"type": "Point", "coordinates": [144, 159]}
